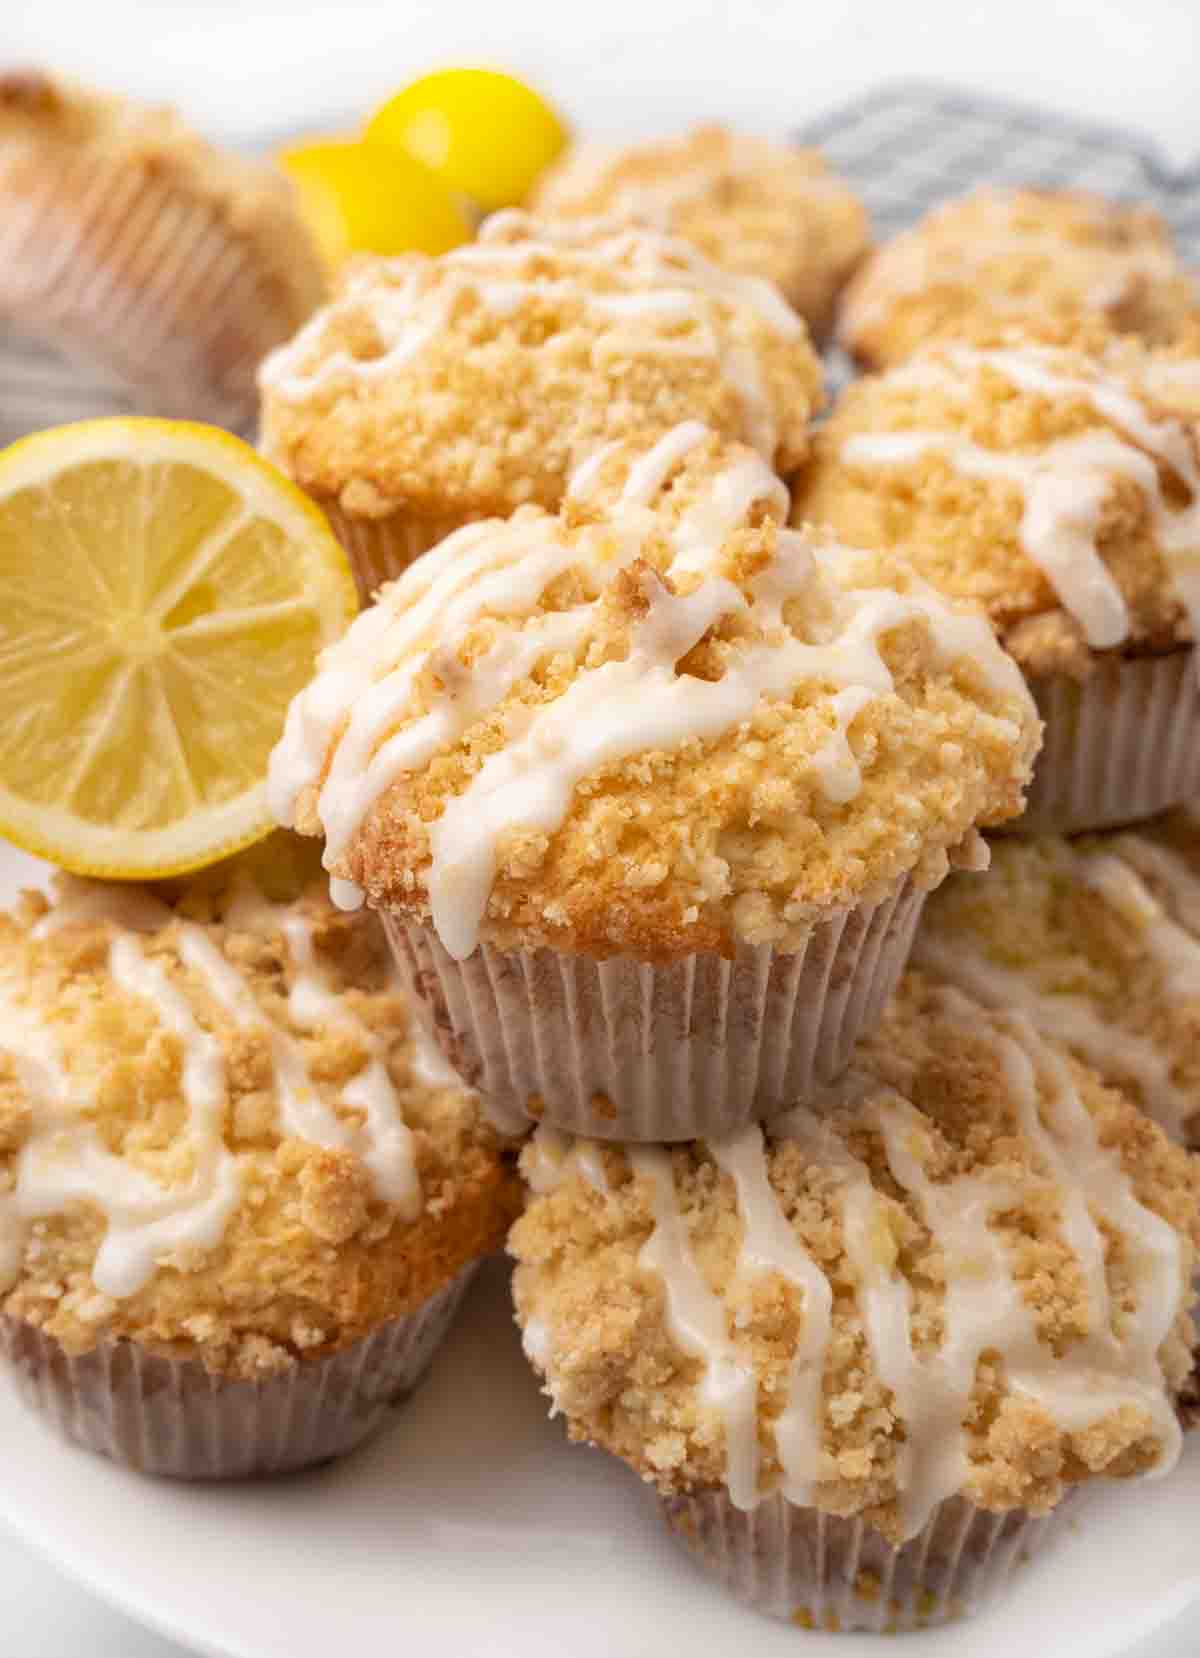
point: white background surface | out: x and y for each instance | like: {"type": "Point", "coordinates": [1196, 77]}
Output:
{"type": "Point", "coordinates": [249, 67]}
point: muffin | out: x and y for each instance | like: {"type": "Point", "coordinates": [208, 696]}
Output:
{"type": "Point", "coordinates": [240, 1194]}
{"type": "Point", "coordinates": [139, 263]}
{"type": "Point", "coordinates": [1097, 942]}
{"type": "Point", "coordinates": [649, 792]}
{"type": "Point", "coordinates": [865, 1357]}
{"type": "Point", "coordinates": [1172, 374]}
{"type": "Point", "coordinates": [763, 209]}
{"type": "Point", "coordinates": [1048, 486]}
{"type": "Point", "coordinates": [1003, 258]}
{"type": "Point", "coordinates": [437, 391]}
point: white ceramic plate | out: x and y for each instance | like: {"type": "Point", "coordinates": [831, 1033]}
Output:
{"type": "Point", "coordinates": [471, 1528]}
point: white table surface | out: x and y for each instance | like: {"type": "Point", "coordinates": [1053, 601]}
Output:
{"type": "Point", "coordinates": [248, 67]}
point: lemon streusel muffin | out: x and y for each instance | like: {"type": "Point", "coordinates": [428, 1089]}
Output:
{"type": "Point", "coordinates": [649, 792]}
{"type": "Point", "coordinates": [1000, 258]}
{"type": "Point", "coordinates": [865, 1357]}
{"type": "Point", "coordinates": [142, 267]}
{"type": "Point", "coordinates": [240, 1194]}
{"type": "Point", "coordinates": [1097, 941]}
{"type": "Point", "coordinates": [765, 209]}
{"type": "Point", "coordinates": [1050, 487]}
{"type": "Point", "coordinates": [437, 391]}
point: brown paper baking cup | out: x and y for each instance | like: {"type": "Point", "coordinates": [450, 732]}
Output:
{"type": "Point", "coordinates": [380, 549]}
{"type": "Point", "coordinates": [139, 284]}
{"type": "Point", "coordinates": [623, 1050]}
{"type": "Point", "coordinates": [1120, 746]}
{"type": "Point", "coordinates": [821, 1571]}
{"type": "Point", "coordinates": [173, 1417]}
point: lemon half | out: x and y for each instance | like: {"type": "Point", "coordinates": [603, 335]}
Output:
{"type": "Point", "coordinates": [164, 593]}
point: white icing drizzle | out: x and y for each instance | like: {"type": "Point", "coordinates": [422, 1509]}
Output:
{"type": "Point", "coordinates": [1118, 875]}
{"type": "Point", "coordinates": [697, 1324]}
{"type": "Point", "coordinates": [1067, 483]}
{"type": "Point", "coordinates": [64, 1160]}
{"type": "Point", "coordinates": [552, 1157]}
{"type": "Point", "coordinates": [769, 1245]}
{"type": "Point", "coordinates": [667, 278]}
{"type": "Point", "coordinates": [1114, 1366]}
{"type": "Point", "coordinates": [650, 472]}
{"type": "Point", "coordinates": [352, 709]}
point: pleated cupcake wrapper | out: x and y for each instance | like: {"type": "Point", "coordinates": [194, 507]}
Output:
{"type": "Point", "coordinates": [172, 1417]}
{"type": "Point", "coordinates": [380, 549]}
{"type": "Point", "coordinates": [141, 287]}
{"type": "Point", "coordinates": [622, 1050]}
{"type": "Point", "coordinates": [39, 386]}
{"type": "Point", "coordinates": [821, 1571]}
{"type": "Point", "coordinates": [1120, 746]}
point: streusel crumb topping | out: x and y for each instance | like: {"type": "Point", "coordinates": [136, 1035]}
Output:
{"type": "Point", "coordinates": [475, 382]}
{"type": "Point", "coordinates": [1044, 482]}
{"type": "Point", "coordinates": [964, 1272]}
{"type": "Point", "coordinates": [769, 210]}
{"type": "Point", "coordinates": [657, 723]}
{"type": "Point", "coordinates": [1007, 257]}
{"type": "Point", "coordinates": [222, 1131]}
{"type": "Point", "coordinates": [1097, 941]}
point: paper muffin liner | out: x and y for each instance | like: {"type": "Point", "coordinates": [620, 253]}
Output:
{"type": "Point", "coordinates": [624, 1050]}
{"type": "Point", "coordinates": [142, 286]}
{"type": "Point", "coordinates": [1120, 746]}
{"type": "Point", "coordinates": [380, 549]}
{"type": "Point", "coordinates": [821, 1571]}
{"type": "Point", "coordinates": [173, 1417]}
{"type": "Point", "coordinates": [39, 387]}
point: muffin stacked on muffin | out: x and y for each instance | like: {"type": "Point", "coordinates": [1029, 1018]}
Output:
{"type": "Point", "coordinates": [1018, 258]}
{"type": "Point", "coordinates": [765, 209]}
{"type": "Point", "coordinates": [649, 791]}
{"type": "Point", "coordinates": [1097, 942]}
{"type": "Point", "coordinates": [143, 270]}
{"type": "Point", "coordinates": [1050, 487]}
{"type": "Point", "coordinates": [240, 1195]}
{"type": "Point", "coordinates": [864, 1355]}
{"type": "Point", "coordinates": [434, 392]}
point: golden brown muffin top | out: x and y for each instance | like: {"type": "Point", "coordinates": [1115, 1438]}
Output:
{"type": "Point", "coordinates": [654, 724]}
{"type": "Point", "coordinates": [965, 1271]}
{"type": "Point", "coordinates": [769, 210]}
{"type": "Point", "coordinates": [1043, 482]}
{"type": "Point", "coordinates": [49, 121]}
{"type": "Point", "coordinates": [222, 1131]}
{"type": "Point", "coordinates": [1097, 941]}
{"type": "Point", "coordinates": [1006, 257]}
{"type": "Point", "coordinates": [475, 382]}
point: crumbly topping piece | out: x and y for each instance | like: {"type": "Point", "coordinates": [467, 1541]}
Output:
{"type": "Point", "coordinates": [1097, 941]}
{"type": "Point", "coordinates": [222, 1130]}
{"type": "Point", "coordinates": [1043, 482]}
{"type": "Point", "coordinates": [1171, 375]}
{"type": "Point", "coordinates": [655, 724]}
{"type": "Point", "coordinates": [769, 210]}
{"type": "Point", "coordinates": [49, 120]}
{"type": "Point", "coordinates": [1007, 257]}
{"type": "Point", "coordinates": [964, 1272]}
{"type": "Point", "coordinates": [476, 382]}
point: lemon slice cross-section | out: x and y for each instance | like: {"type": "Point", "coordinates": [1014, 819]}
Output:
{"type": "Point", "coordinates": [164, 593]}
